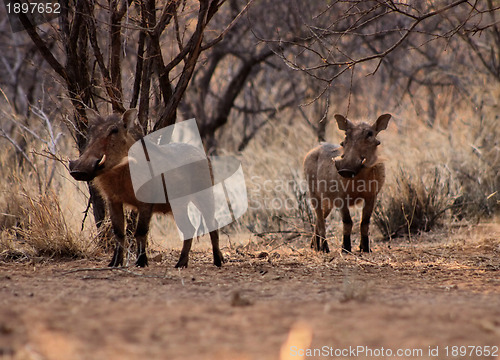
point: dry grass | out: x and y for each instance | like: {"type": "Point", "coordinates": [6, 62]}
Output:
{"type": "Point", "coordinates": [415, 204]}
{"type": "Point", "coordinates": [36, 220]}
{"type": "Point", "coordinates": [41, 230]}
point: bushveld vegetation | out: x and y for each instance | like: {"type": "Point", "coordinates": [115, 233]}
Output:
{"type": "Point", "coordinates": [264, 88]}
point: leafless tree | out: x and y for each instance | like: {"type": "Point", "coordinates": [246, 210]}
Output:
{"type": "Point", "coordinates": [242, 77]}
{"type": "Point", "coordinates": [334, 40]}
{"type": "Point", "coordinates": [113, 55]}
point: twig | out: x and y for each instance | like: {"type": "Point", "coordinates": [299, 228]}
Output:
{"type": "Point", "coordinates": [264, 233]}
{"type": "Point", "coordinates": [4, 134]}
{"type": "Point", "coordinates": [357, 257]}
{"type": "Point", "coordinates": [122, 269]}
{"type": "Point", "coordinates": [229, 27]}
{"type": "Point", "coordinates": [85, 213]}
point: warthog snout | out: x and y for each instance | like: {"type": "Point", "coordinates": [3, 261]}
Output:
{"type": "Point", "coordinates": [86, 170]}
{"type": "Point", "coordinates": [347, 171]}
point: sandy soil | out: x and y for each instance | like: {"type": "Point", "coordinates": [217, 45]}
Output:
{"type": "Point", "coordinates": [421, 296]}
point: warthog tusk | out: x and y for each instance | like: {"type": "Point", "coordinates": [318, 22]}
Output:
{"type": "Point", "coordinates": [103, 159]}
{"type": "Point", "coordinates": [363, 161]}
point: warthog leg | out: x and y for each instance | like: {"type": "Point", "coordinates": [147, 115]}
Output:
{"type": "Point", "coordinates": [364, 246]}
{"type": "Point", "coordinates": [347, 221]}
{"type": "Point", "coordinates": [319, 242]}
{"type": "Point", "coordinates": [184, 258]}
{"type": "Point", "coordinates": [141, 235]}
{"type": "Point", "coordinates": [189, 232]}
{"type": "Point", "coordinates": [218, 258]}
{"type": "Point", "coordinates": [118, 223]}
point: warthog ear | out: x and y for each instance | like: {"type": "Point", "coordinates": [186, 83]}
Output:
{"type": "Point", "coordinates": [381, 123]}
{"type": "Point", "coordinates": [93, 117]}
{"type": "Point", "coordinates": [343, 123]}
{"type": "Point", "coordinates": [129, 117]}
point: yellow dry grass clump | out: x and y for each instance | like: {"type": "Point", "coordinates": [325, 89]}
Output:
{"type": "Point", "coordinates": [35, 222]}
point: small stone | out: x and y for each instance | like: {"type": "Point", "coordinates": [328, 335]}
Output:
{"type": "Point", "coordinates": [237, 300]}
{"type": "Point", "coordinates": [262, 255]}
{"type": "Point", "coordinates": [157, 258]}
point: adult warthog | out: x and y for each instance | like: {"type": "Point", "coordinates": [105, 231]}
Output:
{"type": "Point", "coordinates": [357, 176]}
{"type": "Point", "coordinates": [105, 161]}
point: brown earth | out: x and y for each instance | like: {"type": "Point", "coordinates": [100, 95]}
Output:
{"type": "Point", "coordinates": [433, 291]}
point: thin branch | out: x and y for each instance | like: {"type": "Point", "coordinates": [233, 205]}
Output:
{"type": "Point", "coordinates": [42, 47]}
{"type": "Point", "coordinates": [113, 269]}
{"type": "Point", "coordinates": [18, 149]}
{"type": "Point", "coordinates": [227, 29]}
{"type": "Point", "coordinates": [305, 43]}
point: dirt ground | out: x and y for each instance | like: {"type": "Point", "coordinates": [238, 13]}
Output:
{"type": "Point", "coordinates": [417, 299]}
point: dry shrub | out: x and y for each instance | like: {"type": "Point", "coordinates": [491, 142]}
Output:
{"type": "Point", "coordinates": [47, 230]}
{"type": "Point", "coordinates": [40, 230]}
{"type": "Point", "coordinates": [454, 165]}
{"type": "Point", "coordinates": [39, 215]}
{"type": "Point", "coordinates": [33, 217]}
{"type": "Point", "coordinates": [477, 169]}
{"type": "Point", "coordinates": [414, 204]}
{"type": "Point", "coordinates": [12, 214]}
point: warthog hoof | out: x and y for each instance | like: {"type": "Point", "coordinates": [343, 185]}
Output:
{"type": "Point", "coordinates": [346, 244]}
{"type": "Point", "coordinates": [115, 263]}
{"type": "Point", "coordinates": [182, 263]}
{"type": "Point", "coordinates": [218, 259]}
{"type": "Point", "coordinates": [319, 244]}
{"type": "Point", "coordinates": [142, 260]}
{"type": "Point", "coordinates": [364, 246]}
{"type": "Point", "coordinates": [117, 259]}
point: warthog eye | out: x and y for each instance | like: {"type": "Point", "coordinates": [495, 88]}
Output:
{"type": "Point", "coordinates": [369, 134]}
{"type": "Point", "coordinates": [113, 131]}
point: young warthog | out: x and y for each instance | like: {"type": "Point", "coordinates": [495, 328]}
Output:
{"type": "Point", "coordinates": [357, 176]}
{"type": "Point", "coordinates": [105, 162]}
